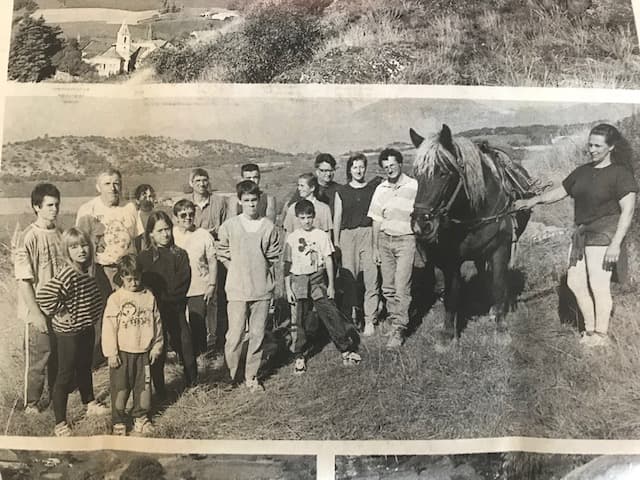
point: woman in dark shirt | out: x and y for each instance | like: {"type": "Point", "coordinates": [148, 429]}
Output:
{"type": "Point", "coordinates": [167, 273]}
{"type": "Point", "coordinates": [352, 233]}
{"type": "Point", "coordinates": [604, 191]}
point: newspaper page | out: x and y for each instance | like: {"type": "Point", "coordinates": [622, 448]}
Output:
{"type": "Point", "coordinates": [319, 239]}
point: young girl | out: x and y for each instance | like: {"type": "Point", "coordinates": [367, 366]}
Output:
{"type": "Point", "coordinates": [73, 299]}
{"type": "Point", "coordinates": [167, 273]}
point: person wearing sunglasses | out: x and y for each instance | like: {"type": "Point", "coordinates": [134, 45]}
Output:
{"type": "Point", "coordinates": [201, 295]}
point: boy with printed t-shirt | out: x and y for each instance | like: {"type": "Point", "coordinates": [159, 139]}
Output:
{"type": "Point", "coordinates": [307, 263]}
{"type": "Point", "coordinates": [132, 339]}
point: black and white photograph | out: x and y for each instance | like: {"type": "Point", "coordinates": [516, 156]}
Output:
{"type": "Point", "coordinates": [488, 466]}
{"type": "Point", "coordinates": [542, 43]}
{"type": "Point", "coordinates": [130, 465]}
{"type": "Point", "coordinates": [290, 268]}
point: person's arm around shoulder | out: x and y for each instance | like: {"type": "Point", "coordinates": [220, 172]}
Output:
{"type": "Point", "coordinates": [550, 196]}
{"type": "Point", "coordinates": [110, 332]}
{"type": "Point", "coordinates": [627, 208]}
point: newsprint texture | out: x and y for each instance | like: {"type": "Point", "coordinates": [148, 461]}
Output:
{"type": "Point", "coordinates": [319, 239]}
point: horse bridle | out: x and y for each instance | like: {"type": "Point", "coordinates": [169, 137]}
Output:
{"type": "Point", "coordinates": [427, 213]}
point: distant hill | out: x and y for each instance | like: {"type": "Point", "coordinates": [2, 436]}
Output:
{"type": "Point", "coordinates": [72, 157]}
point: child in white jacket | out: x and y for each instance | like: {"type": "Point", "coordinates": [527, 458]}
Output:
{"type": "Point", "coordinates": [131, 341]}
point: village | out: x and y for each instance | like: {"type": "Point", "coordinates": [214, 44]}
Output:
{"type": "Point", "coordinates": [116, 45]}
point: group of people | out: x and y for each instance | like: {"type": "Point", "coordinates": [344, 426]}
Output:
{"type": "Point", "coordinates": [128, 281]}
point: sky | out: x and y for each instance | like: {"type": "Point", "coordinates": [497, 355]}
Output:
{"type": "Point", "coordinates": [288, 124]}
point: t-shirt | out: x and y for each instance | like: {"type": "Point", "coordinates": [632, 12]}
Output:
{"type": "Point", "coordinates": [112, 229]}
{"type": "Point", "coordinates": [307, 250]}
{"type": "Point", "coordinates": [131, 323]}
{"type": "Point", "coordinates": [73, 299]}
{"type": "Point", "coordinates": [596, 191]}
{"type": "Point", "coordinates": [355, 205]}
{"type": "Point", "coordinates": [323, 219]}
{"type": "Point", "coordinates": [37, 256]}
{"type": "Point", "coordinates": [202, 256]}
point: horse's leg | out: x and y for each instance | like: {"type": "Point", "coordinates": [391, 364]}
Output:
{"type": "Point", "coordinates": [499, 270]}
{"type": "Point", "coordinates": [452, 285]}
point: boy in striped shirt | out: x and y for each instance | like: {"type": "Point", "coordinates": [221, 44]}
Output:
{"type": "Point", "coordinates": [73, 300]}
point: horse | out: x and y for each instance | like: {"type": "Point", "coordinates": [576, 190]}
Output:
{"type": "Point", "coordinates": [462, 212]}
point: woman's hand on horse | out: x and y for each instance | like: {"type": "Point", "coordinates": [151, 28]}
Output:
{"type": "Point", "coordinates": [524, 204]}
{"type": "Point", "coordinates": [611, 257]}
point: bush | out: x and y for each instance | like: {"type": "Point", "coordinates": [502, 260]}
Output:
{"type": "Point", "coordinates": [274, 38]}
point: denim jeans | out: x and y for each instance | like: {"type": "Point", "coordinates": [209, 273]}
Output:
{"type": "Point", "coordinates": [397, 254]}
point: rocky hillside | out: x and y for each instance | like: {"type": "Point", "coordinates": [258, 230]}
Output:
{"type": "Point", "coordinates": [71, 157]}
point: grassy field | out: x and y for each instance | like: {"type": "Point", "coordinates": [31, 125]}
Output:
{"type": "Point", "coordinates": [537, 381]}
{"type": "Point", "coordinates": [497, 42]}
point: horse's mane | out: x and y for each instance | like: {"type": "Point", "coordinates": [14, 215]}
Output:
{"type": "Point", "coordinates": [468, 165]}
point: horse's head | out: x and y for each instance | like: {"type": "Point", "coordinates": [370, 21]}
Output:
{"type": "Point", "coordinates": [438, 172]}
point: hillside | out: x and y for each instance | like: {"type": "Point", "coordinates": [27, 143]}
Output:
{"type": "Point", "coordinates": [71, 157]}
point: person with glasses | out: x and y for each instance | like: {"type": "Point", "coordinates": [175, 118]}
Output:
{"type": "Point", "coordinates": [201, 296]}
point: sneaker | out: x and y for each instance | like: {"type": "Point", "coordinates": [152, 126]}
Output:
{"type": "Point", "coordinates": [396, 339]}
{"type": "Point", "coordinates": [350, 359]}
{"type": "Point", "coordinates": [96, 409]}
{"type": "Point", "coordinates": [119, 429]}
{"type": "Point", "coordinates": [62, 430]}
{"type": "Point", "coordinates": [299, 366]}
{"type": "Point", "coordinates": [588, 339]}
{"type": "Point", "coordinates": [254, 385]}
{"type": "Point", "coordinates": [142, 426]}
{"type": "Point", "coordinates": [31, 409]}
{"type": "Point", "coordinates": [600, 340]}
{"type": "Point", "coordinates": [369, 329]}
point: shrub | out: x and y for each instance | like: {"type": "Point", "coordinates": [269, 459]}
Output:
{"type": "Point", "coordinates": [32, 47]}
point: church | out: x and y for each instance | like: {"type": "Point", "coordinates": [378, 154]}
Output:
{"type": "Point", "coordinates": [119, 58]}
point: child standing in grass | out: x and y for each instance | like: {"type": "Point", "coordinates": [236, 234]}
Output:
{"type": "Point", "coordinates": [72, 298]}
{"type": "Point", "coordinates": [310, 282]}
{"type": "Point", "coordinates": [248, 246]}
{"type": "Point", "coordinates": [167, 273]}
{"type": "Point", "coordinates": [131, 341]}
